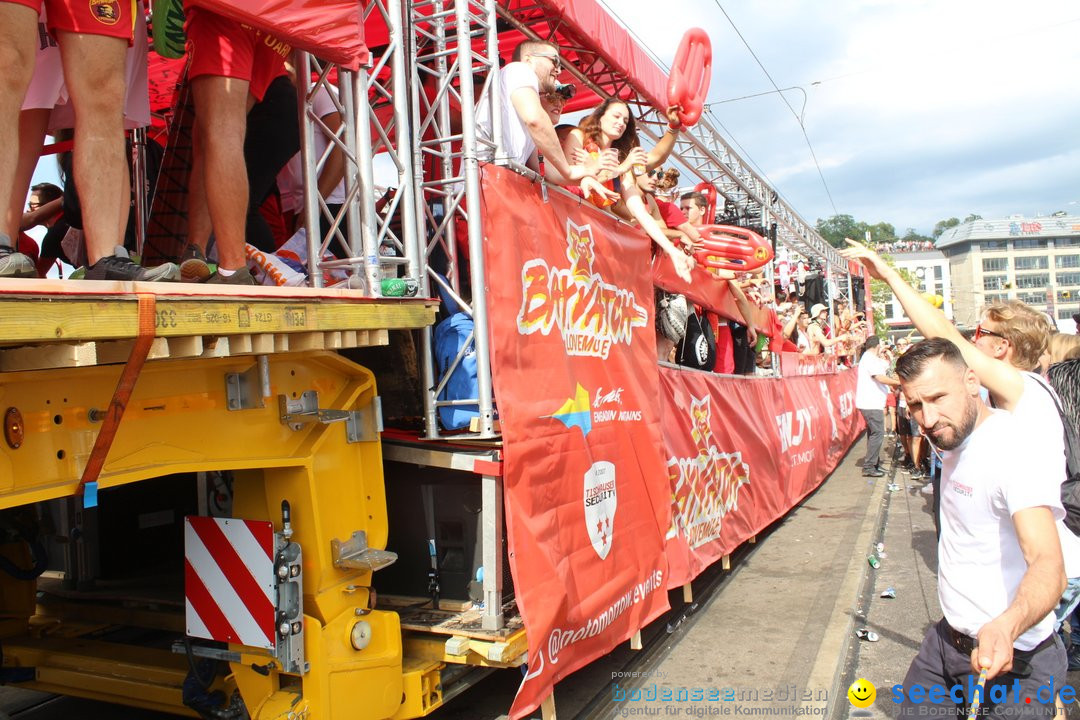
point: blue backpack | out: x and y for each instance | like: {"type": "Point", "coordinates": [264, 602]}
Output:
{"type": "Point", "coordinates": [450, 336]}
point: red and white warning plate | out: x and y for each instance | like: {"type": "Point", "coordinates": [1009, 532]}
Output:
{"type": "Point", "coordinates": [229, 580]}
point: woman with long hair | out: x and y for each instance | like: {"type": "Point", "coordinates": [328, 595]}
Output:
{"type": "Point", "coordinates": [611, 127]}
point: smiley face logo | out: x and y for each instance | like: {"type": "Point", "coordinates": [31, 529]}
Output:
{"type": "Point", "coordinates": [862, 693]}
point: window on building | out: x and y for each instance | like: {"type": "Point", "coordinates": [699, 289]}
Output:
{"type": "Point", "coordinates": [995, 298]}
{"type": "Point", "coordinates": [993, 245]}
{"type": "Point", "coordinates": [1067, 242]}
{"type": "Point", "coordinates": [1066, 261]}
{"type": "Point", "coordinates": [938, 273]}
{"type": "Point", "coordinates": [1065, 313]}
{"type": "Point", "coordinates": [998, 264]}
{"type": "Point", "coordinates": [1030, 282]}
{"type": "Point", "coordinates": [1068, 278]}
{"type": "Point", "coordinates": [1029, 243]}
{"type": "Point", "coordinates": [994, 282]}
{"type": "Point", "coordinates": [1064, 296]}
{"type": "Point", "coordinates": [1032, 298]}
{"type": "Point", "coordinates": [1040, 262]}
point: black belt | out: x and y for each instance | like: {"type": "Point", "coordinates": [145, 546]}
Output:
{"type": "Point", "coordinates": [966, 644]}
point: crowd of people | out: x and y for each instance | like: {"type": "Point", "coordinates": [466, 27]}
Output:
{"type": "Point", "coordinates": [903, 246]}
{"type": "Point", "coordinates": [998, 411]}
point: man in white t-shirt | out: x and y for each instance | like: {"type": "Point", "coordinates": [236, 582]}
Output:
{"type": "Point", "coordinates": [1000, 567]}
{"type": "Point", "coordinates": [1008, 342]}
{"type": "Point", "coordinates": [872, 386]}
{"type": "Point", "coordinates": [526, 126]}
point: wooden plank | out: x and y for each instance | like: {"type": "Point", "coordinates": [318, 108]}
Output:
{"type": "Point", "coordinates": [635, 641]}
{"type": "Point", "coordinates": [182, 347]}
{"type": "Point", "coordinates": [725, 562]}
{"type": "Point", "coordinates": [306, 341]}
{"type": "Point", "coordinates": [687, 593]}
{"type": "Point", "coordinates": [547, 708]}
{"type": "Point", "coordinates": [118, 351]}
{"type": "Point", "coordinates": [240, 344]}
{"type": "Point", "coordinates": [25, 319]}
{"type": "Point", "coordinates": [262, 344]}
{"type": "Point", "coordinates": [474, 425]}
{"type": "Point", "coordinates": [40, 357]}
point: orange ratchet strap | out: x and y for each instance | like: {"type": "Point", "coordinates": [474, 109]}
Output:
{"type": "Point", "coordinates": [124, 388]}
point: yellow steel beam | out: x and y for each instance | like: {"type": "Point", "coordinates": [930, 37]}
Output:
{"type": "Point", "coordinates": [139, 677]}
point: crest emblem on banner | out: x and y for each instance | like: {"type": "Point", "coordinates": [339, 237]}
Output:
{"type": "Point", "coordinates": [600, 503]}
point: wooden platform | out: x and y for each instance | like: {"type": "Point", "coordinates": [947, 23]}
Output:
{"type": "Point", "coordinates": [73, 323]}
{"type": "Point", "coordinates": [465, 623]}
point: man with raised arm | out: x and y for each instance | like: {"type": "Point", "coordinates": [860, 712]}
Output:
{"type": "Point", "coordinates": [1000, 569]}
{"type": "Point", "coordinates": [1004, 353]}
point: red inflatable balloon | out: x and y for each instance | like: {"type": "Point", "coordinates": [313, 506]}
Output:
{"type": "Point", "coordinates": [688, 84]}
{"type": "Point", "coordinates": [733, 248]}
{"type": "Point", "coordinates": [709, 191]}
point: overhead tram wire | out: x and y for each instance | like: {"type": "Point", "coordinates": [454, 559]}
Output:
{"type": "Point", "coordinates": [776, 87]}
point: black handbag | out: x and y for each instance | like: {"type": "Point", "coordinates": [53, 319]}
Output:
{"type": "Point", "coordinates": [698, 347]}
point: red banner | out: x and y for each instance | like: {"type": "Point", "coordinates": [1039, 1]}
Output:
{"type": "Point", "coordinates": [742, 452]}
{"type": "Point", "coordinates": [793, 363]}
{"type": "Point", "coordinates": [574, 358]}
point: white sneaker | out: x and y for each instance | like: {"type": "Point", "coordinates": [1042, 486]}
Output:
{"type": "Point", "coordinates": [928, 489]}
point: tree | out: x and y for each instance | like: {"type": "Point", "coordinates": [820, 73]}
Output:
{"type": "Point", "coordinates": [838, 227]}
{"type": "Point", "coordinates": [972, 217]}
{"type": "Point", "coordinates": [913, 235]}
{"type": "Point", "coordinates": [944, 225]}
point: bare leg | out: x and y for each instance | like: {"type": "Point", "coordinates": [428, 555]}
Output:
{"type": "Point", "coordinates": [18, 35]}
{"type": "Point", "coordinates": [198, 213]}
{"type": "Point", "coordinates": [221, 121]}
{"type": "Point", "coordinates": [94, 73]}
{"type": "Point", "coordinates": [32, 126]}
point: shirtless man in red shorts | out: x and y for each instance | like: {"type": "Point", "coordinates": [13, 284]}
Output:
{"type": "Point", "coordinates": [231, 67]}
{"type": "Point", "coordinates": [93, 36]}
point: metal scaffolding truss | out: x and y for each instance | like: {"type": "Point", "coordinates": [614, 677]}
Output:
{"type": "Point", "coordinates": [453, 60]}
{"type": "Point", "coordinates": [454, 45]}
{"type": "Point", "coordinates": [377, 239]}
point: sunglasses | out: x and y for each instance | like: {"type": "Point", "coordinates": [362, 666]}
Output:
{"type": "Point", "coordinates": [980, 331]}
{"type": "Point", "coordinates": [555, 59]}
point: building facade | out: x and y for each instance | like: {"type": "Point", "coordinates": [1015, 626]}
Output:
{"type": "Point", "coordinates": [929, 272]}
{"type": "Point", "coordinates": [1034, 260]}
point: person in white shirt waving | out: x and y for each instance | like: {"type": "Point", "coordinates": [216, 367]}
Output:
{"type": "Point", "coordinates": [1000, 568]}
{"type": "Point", "coordinates": [872, 386]}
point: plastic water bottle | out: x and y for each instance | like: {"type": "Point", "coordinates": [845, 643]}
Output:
{"type": "Point", "coordinates": [399, 287]}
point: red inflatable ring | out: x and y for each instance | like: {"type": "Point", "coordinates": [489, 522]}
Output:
{"type": "Point", "coordinates": [709, 191]}
{"type": "Point", "coordinates": [732, 248]}
{"type": "Point", "coordinates": [688, 84]}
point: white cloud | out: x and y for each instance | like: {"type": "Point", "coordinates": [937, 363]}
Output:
{"type": "Point", "coordinates": [926, 109]}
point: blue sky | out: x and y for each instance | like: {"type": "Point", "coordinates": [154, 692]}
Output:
{"type": "Point", "coordinates": [917, 110]}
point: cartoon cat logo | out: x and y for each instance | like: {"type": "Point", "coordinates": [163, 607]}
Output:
{"type": "Point", "coordinates": [705, 486]}
{"type": "Point", "coordinates": [580, 250]}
